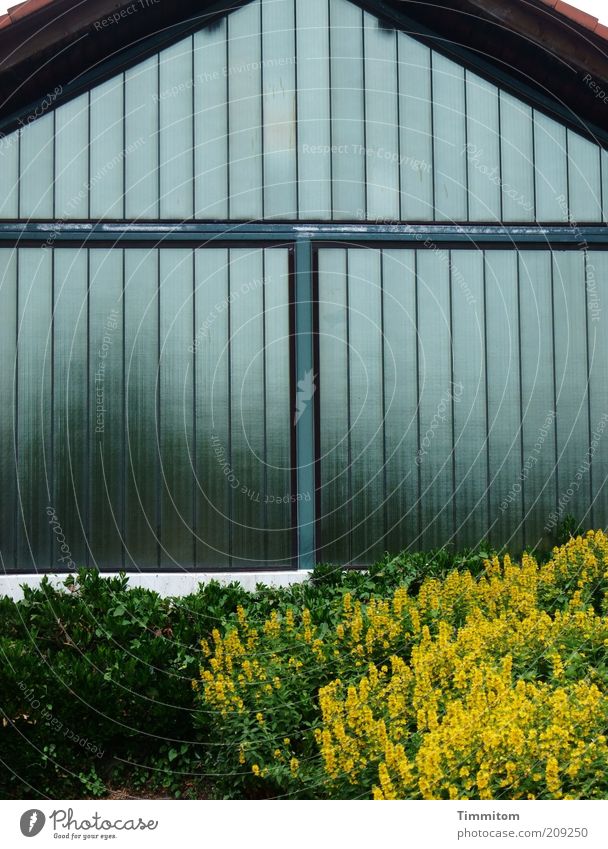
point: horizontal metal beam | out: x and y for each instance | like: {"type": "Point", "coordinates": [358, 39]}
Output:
{"type": "Point", "coordinates": [426, 235]}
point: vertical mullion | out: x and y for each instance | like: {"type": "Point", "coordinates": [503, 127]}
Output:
{"type": "Point", "coordinates": [521, 404]}
{"type": "Point", "coordinates": [265, 413]}
{"type": "Point", "coordinates": [230, 457]}
{"type": "Point", "coordinates": [349, 444]}
{"type": "Point", "coordinates": [194, 452]}
{"type": "Point", "coordinates": [591, 511]}
{"type": "Point", "coordinates": [158, 460]}
{"type": "Point", "coordinates": [452, 403]}
{"type": "Point", "coordinates": [554, 387]}
{"type": "Point", "coordinates": [418, 396]}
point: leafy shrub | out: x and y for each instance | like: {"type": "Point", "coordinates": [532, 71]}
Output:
{"type": "Point", "coordinates": [479, 686]}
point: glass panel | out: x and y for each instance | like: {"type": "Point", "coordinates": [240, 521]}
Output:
{"type": "Point", "coordinates": [245, 112]}
{"type": "Point", "coordinates": [72, 160]}
{"type": "Point", "coordinates": [279, 110]}
{"type": "Point", "coordinates": [211, 122]}
{"type": "Point", "coordinates": [212, 368]}
{"type": "Point", "coordinates": [469, 397]}
{"type": "Point", "coordinates": [248, 411]}
{"type": "Point", "coordinates": [597, 298]}
{"type": "Point", "coordinates": [335, 495]}
{"type": "Point", "coordinates": [517, 158]}
{"type": "Point", "coordinates": [449, 127]}
{"type": "Point", "coordinates": [366, 381]}
{"type": "Point", "coordinates": [504, 398]}
{"type": "Point", "coordinates": [71, 411]}
{"type": "Point", "coordinates": [538, 399]}
{"type": "Point", "coordinates": [483, 150]}
{"type": "Point", "coordinates": [176, 404]}
{"type": "Point", "coordinates": [382, 120]}
{"type": "Point", "coordinates": [107, 145]}
{"type": "Point", "coordinates": [416, 129]}
{"type": "Point", "coordinates": [8, 348]}
{"type": "Point", "coordinates": [142, 530]}
{"type": "Point", "coordinates": [573, 438]}
{"type": "Point", "coordinates": [401, 398]}
{"type": "Point", "coordinates": [347, 111]}
{"type": "Point", "coordinates": [314, 126]}
{"type": "Point", "coordinates": [141, 152]}
{"type": "Point", "coordinates": [584, 181]}
{"type": "Point", "coordinates": [436, 389]}
{"type": "Point", "coordinates": [278, 513]}
{"type": "Point", "coordinates": [37, 168]}
{"type": "Point", "coordinates": [551, 169]}
{"type": "Point", "coordinates": [176, 132]}
{"type": "Point", "coordinates": [107, 406]}
{"type": "Point", "coordinates": [34, 399]}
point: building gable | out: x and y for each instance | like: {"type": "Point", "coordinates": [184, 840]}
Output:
{"type": "Point", "coordinates": [305, 111]}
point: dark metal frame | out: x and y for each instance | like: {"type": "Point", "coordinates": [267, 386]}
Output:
{"type": "Point", "coordinates": [160, 232]}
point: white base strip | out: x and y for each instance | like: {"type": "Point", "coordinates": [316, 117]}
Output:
{"type": "Point", "coordinates": [165, 583]}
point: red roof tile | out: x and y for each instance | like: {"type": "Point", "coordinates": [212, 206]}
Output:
{"type": "Point", "coordinates": [22, 10]}
{"type": "Point", "coordinates": [578, 16]}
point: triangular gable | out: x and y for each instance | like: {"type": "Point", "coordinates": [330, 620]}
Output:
{"type": "Point", "coordinates": [309, 111]}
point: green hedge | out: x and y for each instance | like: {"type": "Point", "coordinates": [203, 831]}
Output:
{"type": "Point", "coordinates": [96, 679]}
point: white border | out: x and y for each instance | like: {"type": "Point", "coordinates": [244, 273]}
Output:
{"type": "Point", "coordinates": [164, 583]}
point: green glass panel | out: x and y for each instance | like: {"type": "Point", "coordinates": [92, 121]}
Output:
{"type": "Point", "coordinates": [142, 185]}
{"type": "Point", "coordinates": [366, 383]}
{"type": "Point", "coordinates": [335, 495]}
{"type": "Point", "coordinates": [211, 122]}
{"type": "Point", "coordinates": [401, 398]}
{"type": "Point", "coordinates": [107, 146]}
{"type": "Point", "coordinates": [469, 397]}
{"type": "Point", "coordinates": [8, 347]}
{"type": "Point", "coordinates": [71, 410]}
{"type": "Point", "coordinates": [483, 150]}
{"type": "Point", "coordinates": [416, 129]}
{"type": "Point", "coordinates": [382, 120]}
{"type": "Point", "coordinates": [176, 385]}
{"type": "Point", "coordinates": [517, 158]}
{"type": "Point", "coordinates": [9, 175]}
{"type": "Point", "coordinates": [212, 368]}
{"type": "Point", "coordinates": [504, 398]}
{"type": "Point", "coordinates": [313, 104]}
{"type": "Point", "coordinates": [37, 168]}
{"type": "Point", "coordinates": [597, 297]}
{"type": "Point", "coordinates": [107, 405]}
{"type": "Point", "coordinates": [347, 111]}
{"type": "Point", "coordinates": [449, 126]}
{"type": "Point", "coordinates": [584, 179]}
{"type": "Point", "coordinates": [34, 414]}
{"type": "Point", "coordinates": [277, 462]}
{"type": "Point", "coordinates": [142, 474]}
{"type": "Point", "coordinates": [537, 480]}
{"type": "Point", "coordinates": [248, 412]}
{"type": "Point", "coordinates": [176, 131]}
{"type": "Point", "coordinates": [436, 391]}
{"type": "Point", "coordinates": [72, 159]}
{"type": "Point", "coordinates": [279, 110]}
{"type": "Point", "coordinates": [573, 480]}
{"type": "Point", "coordinates": [551, 169]}
{"type": "Point", "coordinates": [244, 72]}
